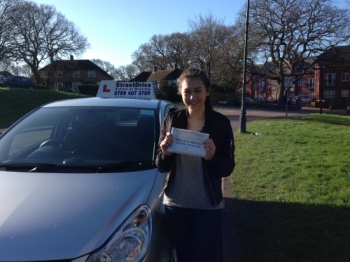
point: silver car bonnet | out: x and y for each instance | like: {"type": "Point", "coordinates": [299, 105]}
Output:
{"type": "Point", "coordinates": [48, 216]}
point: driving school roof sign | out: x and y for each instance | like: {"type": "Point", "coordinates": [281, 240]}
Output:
{"type": "Point", "coordinates": [135, 90]}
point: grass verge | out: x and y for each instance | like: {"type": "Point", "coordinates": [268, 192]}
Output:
{"type": "Point", "coordinates": [16, 102]}
{"type": "Point", "coordinates": [291, 189]}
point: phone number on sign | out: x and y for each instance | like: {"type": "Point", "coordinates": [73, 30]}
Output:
{"type": "Point", "coordinates": [132, 93]}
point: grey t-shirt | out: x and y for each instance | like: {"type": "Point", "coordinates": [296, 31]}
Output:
{"type": "Point", "coordinates": [188, 190]}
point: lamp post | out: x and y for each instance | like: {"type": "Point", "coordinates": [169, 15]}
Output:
{"type": "Point", "coordinates": [243, 118]}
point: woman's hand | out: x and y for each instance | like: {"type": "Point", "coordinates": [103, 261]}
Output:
{"type": "Point", "coordinates": [166, 143]}
{"type": "Point", "coordinates": [210, 148]}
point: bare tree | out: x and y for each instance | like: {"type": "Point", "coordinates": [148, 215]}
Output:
{"type": "Point", "coordinates": [152, 54]}
{"type": "Point", "coordinates": [125, 73]}
{"type": "Point", "coordinates": [62, 37]}
{"type": "Point", "coordinates": [289, 32]}
{"type": "Point", "coordinates": [42, 33]}
{"type": "Point", "coordinates": [164, 51]}
{"type": "Point", "coordinates": [105, 65]}
{"type": "Point", "coordinates": [208, 35]}
{"type": "Point", "coordinates": [178, 48]}
{"type": "Point", "coordinates": [20, 69]}
{"type": "Point", "coordinates": [229, 65]}
{"type": "Point", "coordinates": [7, 7]}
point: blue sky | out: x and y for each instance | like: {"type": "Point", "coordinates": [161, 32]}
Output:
{"type": "Point", "coordinates": [116, 28]}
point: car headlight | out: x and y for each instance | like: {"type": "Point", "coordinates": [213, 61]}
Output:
{"type": "Point", "coordinates": [131, 240]}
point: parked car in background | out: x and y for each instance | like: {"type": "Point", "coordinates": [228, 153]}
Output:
{"type": "Point", "coordinates": [305, 99]}
{"type": "Point", "coordinates": [229, 101]}
{"type": "Point", "coordinates": [248, 99]}
{"type": "Point", "coordinates": [18, 81]}
{"type": "Point", "coordinates": [68, 89]}
{"type": "Point", "coordinates": [259, 100]}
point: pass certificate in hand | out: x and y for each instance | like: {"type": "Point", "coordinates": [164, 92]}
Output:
{"type": "Point", "coordinates": [188, 142]}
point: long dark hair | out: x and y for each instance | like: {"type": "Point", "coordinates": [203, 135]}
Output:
{"type": "Point", "coordinates": [191, 73]}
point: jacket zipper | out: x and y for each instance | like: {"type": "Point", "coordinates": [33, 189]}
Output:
{"type": "Point", "coordinates": [211, 187]}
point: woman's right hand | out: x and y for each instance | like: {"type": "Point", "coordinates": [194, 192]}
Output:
{"type": "Point", "coordinates": [166, 143]}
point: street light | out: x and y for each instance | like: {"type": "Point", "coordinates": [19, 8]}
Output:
{"type": "Point", "coordinates": [243, 118]}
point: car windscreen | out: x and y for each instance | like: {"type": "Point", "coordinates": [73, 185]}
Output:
{"type": "Point", "coordinates": [82, 137]}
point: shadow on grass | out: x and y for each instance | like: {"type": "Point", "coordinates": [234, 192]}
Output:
{"type": "Point", "coordinates": [273, 231]}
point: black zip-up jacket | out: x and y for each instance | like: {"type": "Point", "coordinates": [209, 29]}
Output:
{"type": "Point", "coordinates": [222, 163]}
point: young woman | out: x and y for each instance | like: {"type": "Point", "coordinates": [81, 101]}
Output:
{"type": "Point", "coordinates": [192, 195]}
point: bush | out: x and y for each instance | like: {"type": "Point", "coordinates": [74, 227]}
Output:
{"type": "Point", "coordinates": [88, 89]}
{"type": "Point", "coordinates": [169, 93]}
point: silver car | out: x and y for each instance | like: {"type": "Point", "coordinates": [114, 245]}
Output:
{"type": "Point", "coordinates": [79, 183]}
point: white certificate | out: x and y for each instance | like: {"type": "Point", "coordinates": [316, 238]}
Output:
{"type": "Point", "coordinates": [188, 142]}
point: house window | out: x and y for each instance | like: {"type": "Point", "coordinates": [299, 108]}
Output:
{"type": "Point", "coordinates": [76, 73]}
{"type": "Point", "coordinates": [75, 84]}
{"type": "Point", "coordinates": [269, 83]}
{"type": "Point", "coordinates": [329, 79]}
{"type": "Point", "coordinates": [345, 93]}
{"type": "Point", "coordinates": [345, 77]}
{"type": "Point", "coordinates": [43, 74]}
{"type": "Point", "coordinates": [300, 82]}
{"type": "Point", "coordinates": [58, 84]}
{"type": "Point", "coordinates": [92, 73]}
{"type": "Point", "coordinates": [58, 74]}
{"type": "Point", "coordinates": [329, 94]}
{"type": "Point", "coordinates": [261, 85]}
{"type": "Point", "coordinates": [310, 83]}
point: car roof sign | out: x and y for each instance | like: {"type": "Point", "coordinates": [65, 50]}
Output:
{"type": "Point", "coordinates": [135, 90]}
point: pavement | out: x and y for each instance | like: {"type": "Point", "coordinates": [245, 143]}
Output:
{"type": "Point", "coordinates": [230, 242]}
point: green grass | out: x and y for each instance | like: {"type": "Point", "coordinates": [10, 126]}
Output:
{"type": "Point", "coordinates": [291, 189]}
{"type": "Point", "coordinates": [16, 102]}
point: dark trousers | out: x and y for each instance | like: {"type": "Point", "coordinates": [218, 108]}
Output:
{"type": "Point", "coordinates": [196, 233]}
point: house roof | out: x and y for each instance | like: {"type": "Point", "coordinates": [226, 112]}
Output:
{"type": "Point", "coordinates": [72, 65]}
{"type": "Point", "coordinates": [142, 77]}
{"type": "Point", "coordinates": [335, 56]}
{"type": "Point", "coordinates": [5, 73]}
{"type": "Point", "coordinates": [160, 75]}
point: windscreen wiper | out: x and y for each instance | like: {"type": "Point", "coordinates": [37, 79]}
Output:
{"type": "Point", "coordinates": [44, 167]}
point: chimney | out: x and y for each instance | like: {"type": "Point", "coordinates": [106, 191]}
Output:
{"type": "Point", "coordinates": [155, 68]}
{"type": "Point", "coordinates": [175, 66]}
{"type": "Point", "coordinates": [71, 57]}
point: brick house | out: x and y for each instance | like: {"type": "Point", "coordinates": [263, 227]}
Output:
{"type": "Point", "coordinates": [332, 77]}
{"type": "Point", "coordinates": [71, 73]}
{"type": "Point", "coordinates": [261, 86]}
{"type": "Point", "coordinates": [328, 79]}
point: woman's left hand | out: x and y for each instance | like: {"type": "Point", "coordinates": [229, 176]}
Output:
{"type": "Point", "coordinates": [210, 148]}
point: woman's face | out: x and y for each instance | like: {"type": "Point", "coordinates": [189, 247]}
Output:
{"type": "Point", "coordinates": [194, 94]}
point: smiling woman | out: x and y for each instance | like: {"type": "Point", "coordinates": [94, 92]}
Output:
{"type": "Point", "coordinates": [192, 197]}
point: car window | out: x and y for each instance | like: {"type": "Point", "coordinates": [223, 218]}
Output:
{"type": "Point", "coordinates": [82, 136]}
